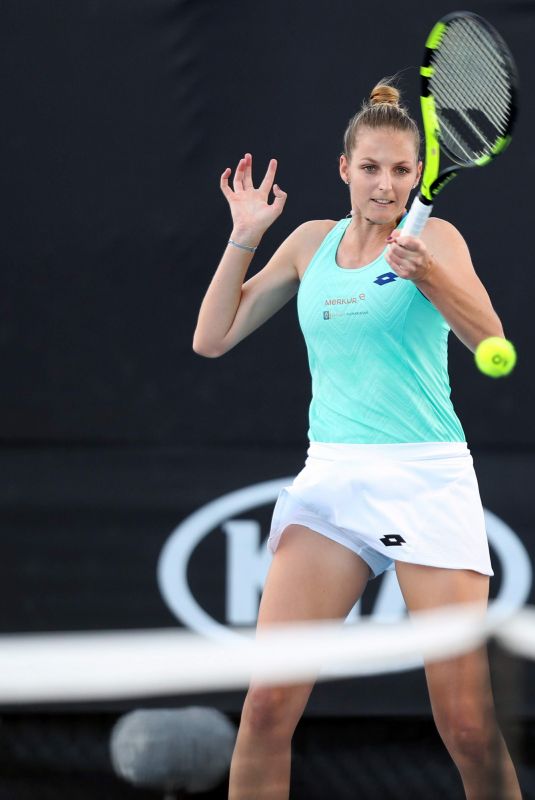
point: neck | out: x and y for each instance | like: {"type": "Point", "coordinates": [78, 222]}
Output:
{"type": "Point", "coordinates": [363, 241]}
{"type": "Point", "coordinates": [366, 233]}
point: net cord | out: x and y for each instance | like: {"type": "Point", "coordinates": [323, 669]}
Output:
{"type": "Point", "coordinates": [42, 668]}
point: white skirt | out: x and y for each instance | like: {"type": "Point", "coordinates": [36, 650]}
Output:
{"type": "Point", "coordinates": [417, 503]}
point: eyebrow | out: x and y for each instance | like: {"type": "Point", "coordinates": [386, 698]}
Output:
{"type": "Point", "coordinates": [397, 164]}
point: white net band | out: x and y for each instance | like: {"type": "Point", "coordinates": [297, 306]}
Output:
{"type": "Point", "coordinates": [100, 666]}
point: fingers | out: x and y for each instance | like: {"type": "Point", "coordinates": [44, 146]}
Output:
{"type": "Point", "coordinates": [399, 252]}
{"type": "Point", "coordinates": [223, 182]}
{"type": "Point", "coordinates": [280, 196]}
{"type": "Point", "coordinates": [410, 242]}
{"type": "Point", "coordinates": [239, 176]}
{"type": "Point", "coordinates": [400, 258]}
{"type": "Point", "coordinates": [269, 177]}
{"type": "Point", "coordinates": [397, 266]}
{"type": "Point", "coordinates": [407, 262]}
{"type": "Point", "coordinates": [242, 182]}
{"type": "Point", "coordinates": [406, 247]}
{"type": "Point", "coordinates": [406, 242]}
{"type": "Point", "coordinates": [242, 177]}
{"type": "Point", "coordinates": [248, 171]}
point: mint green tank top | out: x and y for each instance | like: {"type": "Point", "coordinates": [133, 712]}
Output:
{"type": "Point", "coordinates": [378, 354]}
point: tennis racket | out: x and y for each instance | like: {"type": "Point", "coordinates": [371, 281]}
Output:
{"type": "Point", "coordinates": [468, 99]}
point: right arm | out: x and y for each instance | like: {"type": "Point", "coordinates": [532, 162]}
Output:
{"type": "Point", "coordinates": [232, 309]}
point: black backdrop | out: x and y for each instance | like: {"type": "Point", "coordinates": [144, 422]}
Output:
{"type": "Point", "coordinates": [118, 118]}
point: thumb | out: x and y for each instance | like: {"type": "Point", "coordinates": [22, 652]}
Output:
{"type": "Point", "coordinates": [409, 242]}
{"type": "Point", "coordinates": [280, 196]}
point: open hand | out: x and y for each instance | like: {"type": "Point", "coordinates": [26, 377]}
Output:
{"type": "Point", "coordinates": [249, 207]}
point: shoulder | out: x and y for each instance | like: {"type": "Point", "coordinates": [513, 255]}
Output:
{"type": "Point", "coordinates": [292, 257]}
{"type": "Point", "coordinates": [440, 232]}
{"type": "Point", "coordinates": [447, 245]}
{"type": "Point", "coordinates": [315, 228]}
{"type": "Point", "coordinates": [444, 241]}
{"type": "Point", "coordinates": [307, 238]}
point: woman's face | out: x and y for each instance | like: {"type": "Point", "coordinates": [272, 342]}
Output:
{"type": "Point", "coordinates": [382, 171]}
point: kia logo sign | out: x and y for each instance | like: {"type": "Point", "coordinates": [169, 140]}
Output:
{"type": "Point", "coordinates": [248, 561]}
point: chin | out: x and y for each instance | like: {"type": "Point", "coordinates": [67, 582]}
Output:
{"type": "Point", "coordinates": [388, 211]}
{"type": "Point", "coordinates": [391, 219]}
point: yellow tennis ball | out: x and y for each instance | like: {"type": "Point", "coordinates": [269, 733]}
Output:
{"type": "Point", "coordinates": [495, 356]}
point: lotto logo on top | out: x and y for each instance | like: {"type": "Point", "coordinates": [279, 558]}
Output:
{"type": "Point", "coordinates": [387, 277]}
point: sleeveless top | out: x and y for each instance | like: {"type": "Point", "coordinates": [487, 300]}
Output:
{"type": "Point", "coordinates": [377, 351]}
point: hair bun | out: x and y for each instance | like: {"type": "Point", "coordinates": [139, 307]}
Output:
{"type": "Point", "coordinates": [382, 110]}
{"type": "Point", "coordinates": [383, 93]}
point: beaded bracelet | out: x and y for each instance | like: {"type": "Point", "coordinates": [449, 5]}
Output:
{"type": "Point", "coordinates": [242, 246]}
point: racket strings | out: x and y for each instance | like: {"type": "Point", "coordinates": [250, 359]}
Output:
{"type": "Point", "coordinates": [471, 85]}
{"type": "Point", "coordinates": [479, 66]}
{"type": "Point", "coordinates": [456, 93]}
{"type": "Point", "coordinates": [493, 96]}
{"type": "Point", "coordinates": [465, 113]}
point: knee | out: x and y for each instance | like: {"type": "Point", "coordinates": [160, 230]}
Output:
{"type": "Point", "coordinates": [268, 711]}
{"type": "Point", "coordinates": [468, 740]}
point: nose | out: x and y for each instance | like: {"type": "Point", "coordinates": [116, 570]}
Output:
{"type": "Point", "coordinates": [385, 181]}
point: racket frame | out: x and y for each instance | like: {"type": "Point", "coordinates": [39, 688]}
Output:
{"type": "Point", "coordinates": [434, 181]}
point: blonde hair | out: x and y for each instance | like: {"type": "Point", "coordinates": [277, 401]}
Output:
{"type": "Point", "coordinates": [381, 110]}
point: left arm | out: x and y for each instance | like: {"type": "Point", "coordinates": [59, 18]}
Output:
{"type": "Point", "coordinates": [440, 266]}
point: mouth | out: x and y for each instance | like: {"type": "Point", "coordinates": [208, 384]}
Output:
{"type": "Point", "coordinates": [382, 202]}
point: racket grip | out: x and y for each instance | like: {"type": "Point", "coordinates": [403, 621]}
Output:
{"type": "Point", "coordinates": [416, 218]}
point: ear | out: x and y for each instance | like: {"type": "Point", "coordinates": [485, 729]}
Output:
{"type": "Point", "coordinates": [418, 172]}
{"type": "Point", "coordinates": [344, 168]}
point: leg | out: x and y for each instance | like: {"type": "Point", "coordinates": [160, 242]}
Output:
{"type": "Point", "coordinates": [311, 578]}
{"type": "Point", "coordinates": [460, 689]}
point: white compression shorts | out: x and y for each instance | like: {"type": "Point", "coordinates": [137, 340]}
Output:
{"type": "Point", "coordinates": [417, 503]}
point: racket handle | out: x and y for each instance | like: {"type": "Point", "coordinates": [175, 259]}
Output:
{"type": "Point", "coordinates": [416, 218]}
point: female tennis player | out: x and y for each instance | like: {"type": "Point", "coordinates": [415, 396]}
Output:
{"type": "Point", "coordinates": [388, 481]}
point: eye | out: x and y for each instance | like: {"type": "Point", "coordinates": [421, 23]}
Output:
{"type": "Point", "coordinates": [402, 170]}
{"type": "Point", "coordinates": [368, 167]}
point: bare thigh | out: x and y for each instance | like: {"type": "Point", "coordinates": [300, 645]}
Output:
{"type": "Point", "coordinates": [459, 688]}
{"type": "Point", "coordinates": [311, 578]}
